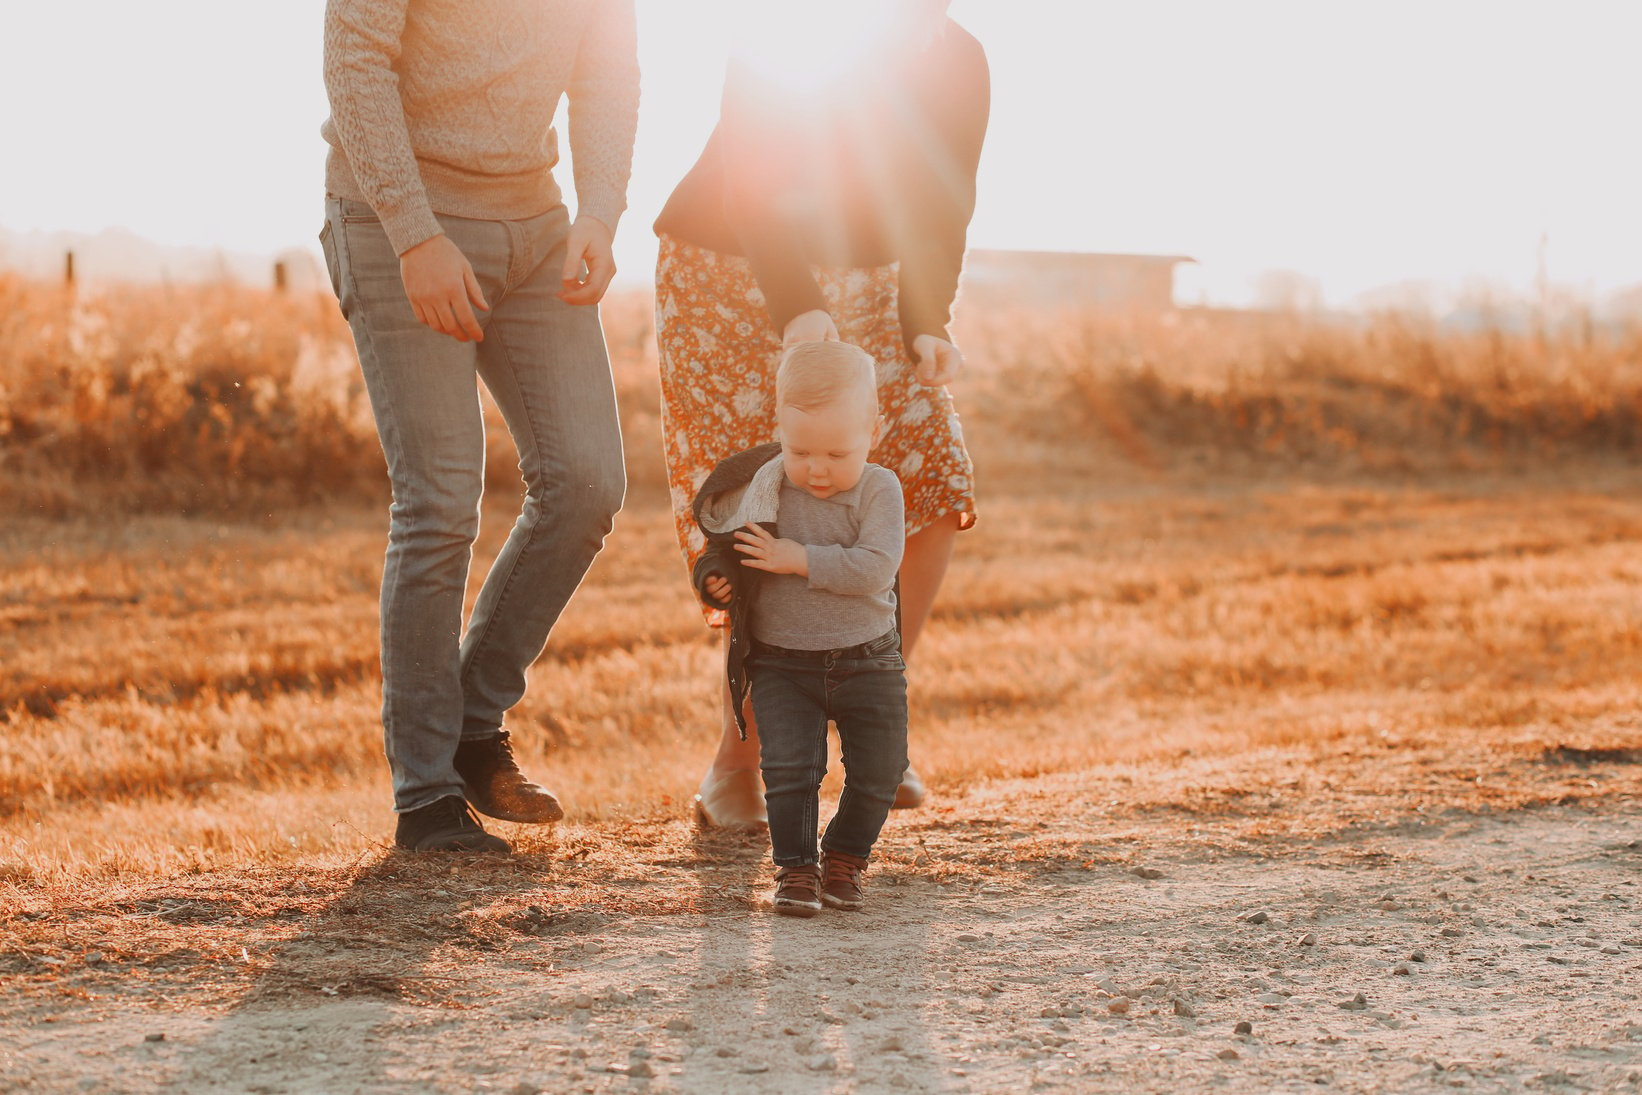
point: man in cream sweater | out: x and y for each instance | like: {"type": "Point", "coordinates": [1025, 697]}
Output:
{"type": "Point", "coordinates": [453, 256]}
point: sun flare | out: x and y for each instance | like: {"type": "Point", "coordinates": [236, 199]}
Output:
{"type": "Point", "coordinates": [795, 47]}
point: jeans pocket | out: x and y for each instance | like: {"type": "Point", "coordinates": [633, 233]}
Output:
{"type": "Point", "coordinates": [327, 244]}
{"type": "Point", "coordinates": [350, 211]}
{"type": "Point", "coordinates": [888, 643]}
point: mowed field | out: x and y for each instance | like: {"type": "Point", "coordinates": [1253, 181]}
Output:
{"type": "Point", "coordinates": [1199, 537]}
{"type": "Point", "coordinates": [1235, 584]}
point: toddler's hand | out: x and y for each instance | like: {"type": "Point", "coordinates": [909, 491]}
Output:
{"type": "Point", "coordinates": [719, 589]}
{"type": "Point", "coordinates": [761, 551]}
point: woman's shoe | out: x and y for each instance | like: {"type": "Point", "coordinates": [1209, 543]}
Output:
{"type": "Point", "coordinates": [732, 800]}
{"type": "Point", "coordinates": [910, 795]}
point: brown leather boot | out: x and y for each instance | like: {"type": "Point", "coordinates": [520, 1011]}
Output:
{"type": "Point", "coordinates": [494, 785]}
{"type": "Point", "coordinates": [841, 880]}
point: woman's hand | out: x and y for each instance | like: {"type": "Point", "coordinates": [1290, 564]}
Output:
{"type": "Point", "coordinates": [442, 289]}
{"type": "Point", "coordinates": [812, 326]}
{"type": "Point", "coordinates": [761, 551]}
{"type": "Point", "coordinates": [939, 361]}
{"type": "Point", "coordinates": [719, 589]}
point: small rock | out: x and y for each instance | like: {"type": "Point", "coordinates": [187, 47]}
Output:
{"type": "Point", "coordinates": [1469, 877]}
{"type": "Point", "coordinates": [1309, 939]}
{"type": "Point", "coordinates": [825, 1062]}
{"type": "Point", "coordinates": [154, 1038]}
{"type": "Point", "coordinates": [1356, 1003]}
{"type": "Point", "coordinates": [1120, 1006]}
{"type": "Point", "coordinates": [1049, 1013]}
{"type": "Point", "coordinates": [1228, 1054]}
{"type": "Point", "coordinates": [1388, 905]}
{"type": "Point", "coordinates": [1610, 949]}
{"type": "Point", "coordinates": [1417, 956]}
{"type": "Point", "coordinates": [524, 1087]}
{"type": "Point", "coordinates": [726, 1051]}
{"type": "Point", "coordinates": [1243, 1027]}
{"type": "Point", "coordinates": [1403, 970]}
{"type": "Point", "coordinates": [679, 1025]}
{"type": "Point", "coordinates": [969, 937]}
{"type": "Point", "coordinates": [1184, 1009]}
{"type": "Point", "coordinates": [1451, 933]}
{"type": "Point", "coordinates": [1146, 872]}
{"type": "Point", "coordinates": [638, 1053]}
{"type": "Point", "coordinates": [1271, 998]}
{"type": "Point", "coordinates": [583, 1001]}
{"type": "Point", "coordinates": [1257, 917]}
{"type": "Point", "coordinates": [892, 1044]}
{"type": "Point", "coordinates": [754, 1066]}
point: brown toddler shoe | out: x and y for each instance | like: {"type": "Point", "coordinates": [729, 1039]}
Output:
{"type": "Point", "coordinates": [798, 890]}
{"type": "Point", "coordinates": [841, 880]}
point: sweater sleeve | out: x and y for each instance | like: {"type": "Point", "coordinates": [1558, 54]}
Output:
{"type": "Point", "coordinates": [763, 154]}
{"type": "Point", "coordinates": [604, 111]}
{"type": "Point", "coordinates": [935, 228]}
{"type": "Point", "coordinates": [870, 565]}
{"type": "Point", "coordinates": [362, 41]}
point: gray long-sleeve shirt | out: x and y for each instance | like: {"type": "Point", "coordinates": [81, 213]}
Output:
{"type": "Point", "coordinates": [853, 542]}
{"type": "Point", "coordinates": [447, 106]}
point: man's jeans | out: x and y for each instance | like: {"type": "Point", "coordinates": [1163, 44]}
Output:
{"type": "Point", "coordinates": [545, 363]}
{"type": "Point", "coordinates": [864, 691]}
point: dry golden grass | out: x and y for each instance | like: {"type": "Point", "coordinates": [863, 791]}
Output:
{"type": "Point", "coordinates": [1206, 567]}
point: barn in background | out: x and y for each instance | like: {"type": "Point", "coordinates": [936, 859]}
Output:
{"type": "Point", "coordinates": [1073, 279]}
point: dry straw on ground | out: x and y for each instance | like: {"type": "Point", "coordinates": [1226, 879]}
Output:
{"type": "Point", "coordinates": [1238, 586]}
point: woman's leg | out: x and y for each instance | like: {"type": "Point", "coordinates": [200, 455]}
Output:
{"type": "Point", "coordinates": [923, 568]}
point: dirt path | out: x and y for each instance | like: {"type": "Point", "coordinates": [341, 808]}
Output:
{"type": "Point", "coordinates": [1483, 952]}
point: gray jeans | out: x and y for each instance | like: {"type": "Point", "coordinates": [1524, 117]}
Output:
{"type": "Point", "coordinates": [545, 363]}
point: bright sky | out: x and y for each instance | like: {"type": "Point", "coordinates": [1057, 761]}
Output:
{"type": "Point", "coordinates": [1363, 143]}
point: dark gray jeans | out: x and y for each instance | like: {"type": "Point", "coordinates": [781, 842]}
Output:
{"type": "Point", "coordinates": [545, 363]}
{"type": "Point", "coordinates": [863, 691]}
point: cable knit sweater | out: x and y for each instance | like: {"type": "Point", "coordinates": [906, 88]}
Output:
{"type": "Point", "coordinates": [447, 106]}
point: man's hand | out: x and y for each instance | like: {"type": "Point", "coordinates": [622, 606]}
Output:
{"type": "Point", "coordinates": [812, 326]}
{"type": "Point", "coordinates": [589, 246]}
{"type": "Point", "coordinates": [762, 551]}
{"type": "Point", "coordinates": [719, 589]}
{"type": "Point", "coordinates": [440, 284]}
{"type": "Point", "coordinates": [938, 360]}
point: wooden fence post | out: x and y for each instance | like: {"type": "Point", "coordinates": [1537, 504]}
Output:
{"type": "Point", "coordinates": [279, 277]}
{"type": "Point", "coordinates": [68, 270]}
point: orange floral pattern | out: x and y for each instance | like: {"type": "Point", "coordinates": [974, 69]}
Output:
{"type": "Point", "coordinates": [718, 358]}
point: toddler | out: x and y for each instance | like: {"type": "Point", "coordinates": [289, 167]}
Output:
{"type": "Point", "coordinates": [804, 541]}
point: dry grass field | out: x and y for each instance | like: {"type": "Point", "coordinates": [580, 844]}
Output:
{"type": "Point", "coordinates": [1240, 587]}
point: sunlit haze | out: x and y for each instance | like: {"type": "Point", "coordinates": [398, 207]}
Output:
{"type": "Point", "coordinates": [1361, 144]}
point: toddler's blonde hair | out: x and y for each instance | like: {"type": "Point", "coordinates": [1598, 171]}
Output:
{"type": "Point", "coordinates": [821, 374]}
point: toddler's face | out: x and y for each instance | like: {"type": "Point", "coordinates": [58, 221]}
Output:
{"type": "Point", "coordinates": [824, 449]}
